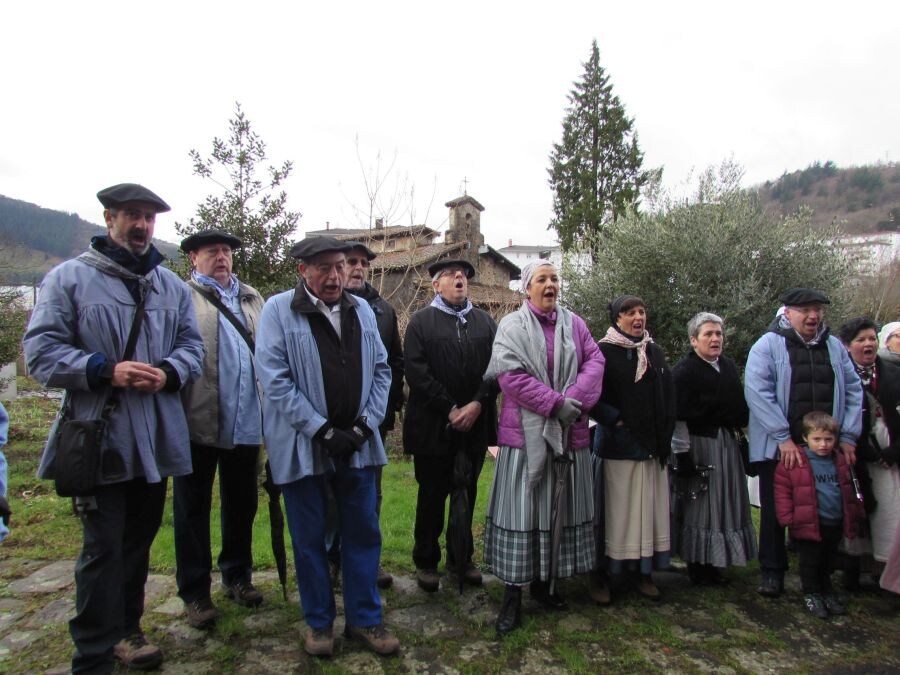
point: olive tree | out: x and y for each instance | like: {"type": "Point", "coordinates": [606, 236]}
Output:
{"type": "Point", "coordinates": [716, 250]}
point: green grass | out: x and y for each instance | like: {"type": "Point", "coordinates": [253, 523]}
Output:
{"type": "Point", "coordinates": [692, 628]}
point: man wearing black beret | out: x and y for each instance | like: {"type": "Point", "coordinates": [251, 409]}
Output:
{"type": "Point", "coordinates": [450, 410]}
{"type": "Point", "coordinates": [77, 340]}
{"type": "Point", "coordinates": [225, 422]}
{"type": "Point", "coordinates": [325, 379]}
{"type": "Point", "coordinates": [796, 367]}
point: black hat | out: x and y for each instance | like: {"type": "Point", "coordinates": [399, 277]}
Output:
{"type": "Point", "coordinates": [370, 254]}
{"type": "Point", "coordinates": [436, 267]}
{"type": "Point", "coordinates": [211, 236]}
{"type": "Point", "coordinates": [117, 195]}
{"type": "Point", "coordinates": [623, 303]}
{"type": "Point", "coordinates": [797, 297]}
{"type": "Point", "coordinates": [313, 246]}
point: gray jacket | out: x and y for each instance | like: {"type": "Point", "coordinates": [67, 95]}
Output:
{"type": "Point", "coordinates": [85, 309]}
{"type": "Point", "coordinates": [201, 397]}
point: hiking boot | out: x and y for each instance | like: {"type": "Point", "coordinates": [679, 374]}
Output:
{"type": "Point", "coordinates": [540, 591]}
{"type": "Point", "coordinates": [647, 588]}
{"type": "Point", "coordinates": [833, 605]}
{"type": "Point", "coordinates": [815, 605]}
{"type": "Point", "coordinates": [471, 576]}
{"type": "Point", "coordinates": [428, 579]}
{"type": "Point", "coordinates": [598, 589]}
{"type": "Point", "coordinates": [201, 613]}
{"type": "Point", "coordinates": [136, 653]}
{"type": "Point", "coordinates": [374, 637]}
{"type": "Point", "coordinates": [243, 593]}
{"type": "Point", "coordinates": [319, 642]}
{"type": "Point", "coordinates": [771, 586]}
{"type": "Point", "coordinates": [384, 578]}
{"type": "Point", "coordinates": [510, 615]}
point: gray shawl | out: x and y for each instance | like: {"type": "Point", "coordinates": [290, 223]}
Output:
{"type": "Point", "coordinates": [520, 345]}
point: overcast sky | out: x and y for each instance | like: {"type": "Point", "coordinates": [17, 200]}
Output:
{"type": "Point", "coordinates": [96, 93]}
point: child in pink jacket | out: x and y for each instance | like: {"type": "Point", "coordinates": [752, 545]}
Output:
{"type": "Point", "coordinates": [818, 504]}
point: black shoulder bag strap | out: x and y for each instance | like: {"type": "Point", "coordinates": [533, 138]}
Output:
{"type": "Point", "coordinates": [113, 398]}
{"type": "Point", "coordinates": [227, 313]}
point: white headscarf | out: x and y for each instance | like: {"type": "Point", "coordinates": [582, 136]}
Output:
{"type": "Point", "coordinates": [529, 270]}
{"type": "Point", "coordinates": [886, 332]}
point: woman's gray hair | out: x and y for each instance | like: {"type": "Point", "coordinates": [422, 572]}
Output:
{"type": "Point", "coordinates": [529, 270]}
{"type": "Point", "coordinates": [694, 324]}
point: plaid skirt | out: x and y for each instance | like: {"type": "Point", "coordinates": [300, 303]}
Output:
{"type": "Point", "coordinates": [517, 532]}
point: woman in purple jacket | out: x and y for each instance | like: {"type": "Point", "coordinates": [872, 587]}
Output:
{"type": "Point", "coordinates": [550, 370]}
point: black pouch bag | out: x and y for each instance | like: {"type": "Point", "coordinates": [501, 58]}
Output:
{"type": "Point", "coordinates": [77, 461]}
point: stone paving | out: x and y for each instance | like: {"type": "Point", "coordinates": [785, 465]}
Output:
{"type": "Point", "coordinates": [449, 633]}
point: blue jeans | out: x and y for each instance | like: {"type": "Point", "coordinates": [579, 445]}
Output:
{"type": "Point", "coordinates": [306, 507]}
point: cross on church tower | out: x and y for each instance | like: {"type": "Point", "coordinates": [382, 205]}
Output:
{"type": "Point", "coordinates": [465, 183]}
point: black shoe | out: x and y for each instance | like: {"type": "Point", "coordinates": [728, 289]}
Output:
{"type": "Point", "coordinates": [540, 591]}
{"type": "Point", "coordinates": [244, 593]}
{"type": "Point", "coordinates": [771, 586]}
{"type": "Point", "coordinates": [510, 615]}
{"type": "Point", "coordinates": [714, 576]}
{"type": "Point", "coordinates": [815, 605]}
{"type": "Point", "coordinates": [851, 579]}
{"type": "Point", "coordinates": [696, 573]}
{"type": "Point", "coordinates": [832, 604]}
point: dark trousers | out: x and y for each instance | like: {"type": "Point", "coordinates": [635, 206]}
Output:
{"type": "Point", "coordinates": [192, 501]}
{"type": "Point", "coordinates": [111, 570]}
{"type": "Point", "coordinates": [772, 552]}
{"type": "Point", "coordinates": [816, 559]}
{"type": "Point", "coordinates": [306, 505]}
{"type": "Point", "coordinates": [434, 474]}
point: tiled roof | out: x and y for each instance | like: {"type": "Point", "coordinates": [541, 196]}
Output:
{"type": "Point", "coordinates": [465, 199]}
{"type": "Point", "coordinates": [365, 233]}
{"type": "Point", "coordinates": [419, 256]}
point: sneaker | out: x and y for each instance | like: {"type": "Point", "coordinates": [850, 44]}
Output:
{"type": "Point", "coordinates": [428, 579]}
{"type": "Point", "coordinates": [201, 613]}
{"type": "Point", "coordinates": [136, 653]}
{"type": "Point", "coordinates": [647, 588]}
{"type": "Point", "coordinates": [319, 642]}
{"type": "Point", "coordinates": [770, 586]}
{"type": "Point", "coordinates": [375, 638]}
{"type": "Point", "coordinates": [598, 589]}
{"type": "Point", "coordinates": [471, 576]}
{"type": "Point", "coordinates": [243, 593]}
{"type": "Point", "coordinates": [815, 605]}
{"type": "Point", "coordinates": [384, 578]}
{"type": "Point", "coordinates": [832, 604]}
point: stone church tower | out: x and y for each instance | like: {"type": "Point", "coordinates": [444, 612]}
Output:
{"type": "Point", "coordinates": [465, 226]}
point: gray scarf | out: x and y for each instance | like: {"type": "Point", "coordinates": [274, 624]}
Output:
{"type": "Point", "coordinates": [101, 262]}
{"type": "Point", "coordinates": [520, 345]}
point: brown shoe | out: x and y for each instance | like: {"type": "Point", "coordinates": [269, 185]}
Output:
{"type": "Point", "coordinates": [384, 578]}
{"type": "Point", "coordinates": [428, 579]}
{"type": "Point", "coordinates": [375, 638]}
{"type": "Point", "coordinates": [201, 613]}
{"type": "Point", "coordinates": [597, 589]}
{"type": "Point", "coordinates": [647, 588]}
{"type": "Point", "coordinates": [471, 576]}
{"type": "Point", "coordinates": [319, 642]}
{"type": "Point", "coordinates": [136, 653]}
{"type": "Point", "coordinates": [244, 593]}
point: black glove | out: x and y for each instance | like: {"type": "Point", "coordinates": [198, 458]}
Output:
{"type": "Point", "coordinates": [891, 454]}
{"type": "Point", "coordinates": [339, 444]}
{"type": "Point", "coordinates": [684, 465]}
{"type": "Point", "coordinates": [360, 432]}
{"type": "Point", "coordinates": [5, 513]}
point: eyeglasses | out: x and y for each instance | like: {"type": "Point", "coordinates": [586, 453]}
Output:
{"type": "Point", "coordinates": [353, 261]}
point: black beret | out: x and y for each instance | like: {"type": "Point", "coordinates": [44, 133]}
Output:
{"type": "Point", "coordinates": [370, 254]}
{"type": "Point", "coordinates": [211, 236]}
{"type": "Point", "coordinates": [797, 297]}
{"type": "Point", "coordinates": [436, 267]}
{"type": "Point", "coordinates": [313, 246]}
{"type": "Point", "coordinates": [117, 195]}
{"type": "Point", "coordinates": [623, 303]}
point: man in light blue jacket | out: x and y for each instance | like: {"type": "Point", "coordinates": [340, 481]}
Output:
{"type": "Point", "coordinates": [325, 379]}
{"type": "Point", "coordinates": [794, 368]}
{"type": "Point", "coordinates": [76, 340]}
